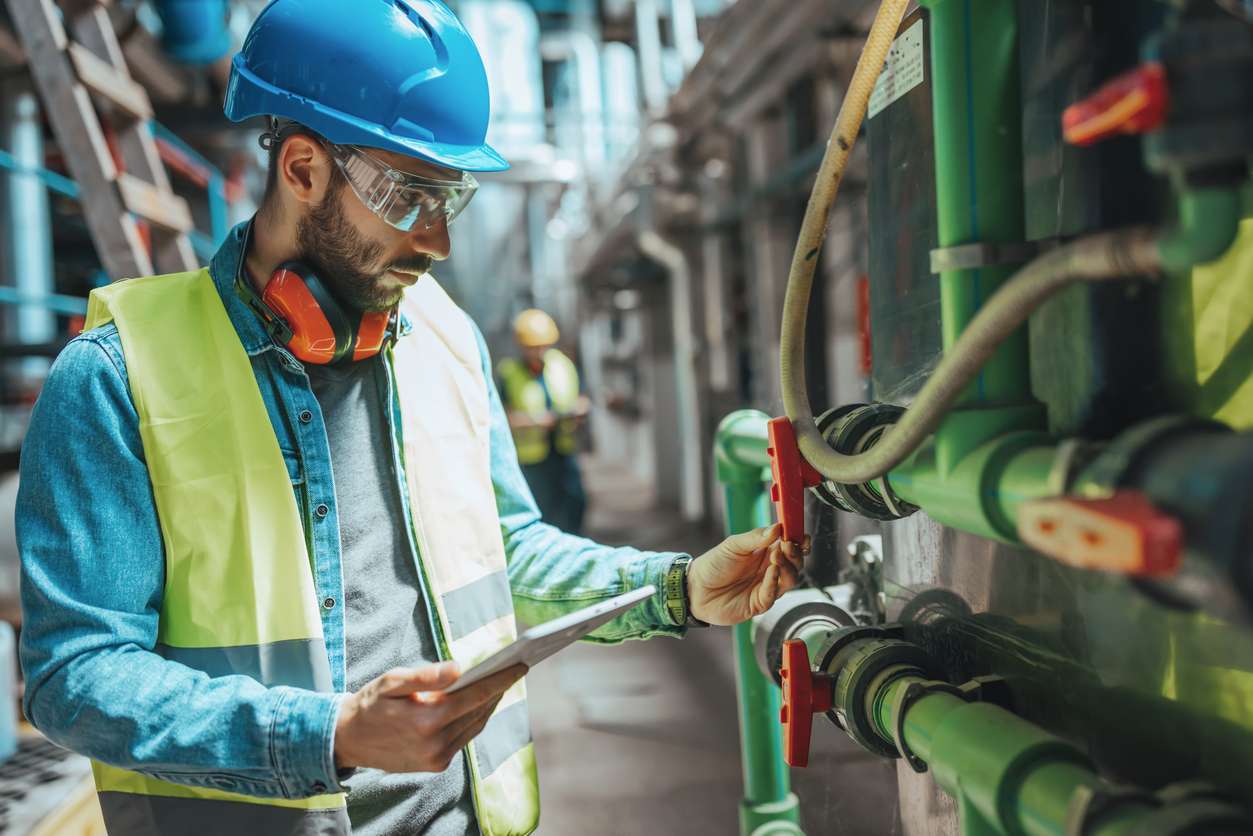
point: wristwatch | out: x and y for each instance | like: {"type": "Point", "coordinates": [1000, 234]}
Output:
{"type": "Point", "coordinates": [678, 604]}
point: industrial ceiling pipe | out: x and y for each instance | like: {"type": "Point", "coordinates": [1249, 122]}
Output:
{"type": "Point", "coordinates": [672, 258]}
{"type": "Point", "coordinates": [584, 52]}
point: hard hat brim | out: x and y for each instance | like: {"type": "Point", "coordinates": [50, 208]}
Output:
{"type": "Point", "coordinates": [248, 95]}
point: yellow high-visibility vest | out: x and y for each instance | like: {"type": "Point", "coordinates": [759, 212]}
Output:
{"type": "Point", "coordinates": [523, 392]}
{"type": "Point", "coordinates": [239, 591]}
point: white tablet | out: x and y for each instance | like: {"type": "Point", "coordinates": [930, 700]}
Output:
{"type": "Point", "coordinates": [542, 641]}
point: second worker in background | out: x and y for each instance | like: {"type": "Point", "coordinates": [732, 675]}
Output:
{"type": "Point", "coordinates": [546, 409]}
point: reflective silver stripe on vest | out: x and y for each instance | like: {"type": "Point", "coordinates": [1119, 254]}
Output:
{"type": "Point", "coordinates": [507, 732]}
{"type": "Point", "coordinates": [478, 603]}
{"type": "Point", "coordinates": [300, 663]}
{"type": "Point", "coordinates": [155, 815]}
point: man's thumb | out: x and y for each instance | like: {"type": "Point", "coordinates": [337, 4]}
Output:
{"type": "Point", "coordinates": [404, 681]}
{"type": "Point", "coordinates": [750, 541]}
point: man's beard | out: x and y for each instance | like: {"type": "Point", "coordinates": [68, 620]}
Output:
{"type": "Point", "coordinates": [343, 257]}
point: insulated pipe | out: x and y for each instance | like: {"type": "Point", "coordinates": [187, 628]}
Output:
{"type": "Point", "coordinates": [672, 258]}
{"type": "Point", "coordinates": [648, 37]}
{"type": "Point", "coordinates": [582, 49]}
{"type": "Point", "coordinates": [769, 806]}
{"type": "Point", "coordinates": [686, 37]}
{"type": "Point", "coordinates": [28, 223]}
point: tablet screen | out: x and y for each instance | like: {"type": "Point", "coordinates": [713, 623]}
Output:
{"type": "Point", "coordinates": [543, 640]}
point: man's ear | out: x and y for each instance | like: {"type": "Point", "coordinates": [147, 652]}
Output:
{"type": "Point", "coordinates": [304, 169]}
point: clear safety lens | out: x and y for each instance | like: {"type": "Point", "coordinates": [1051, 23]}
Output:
{"type": "Point", "coordinates": [402, 199]}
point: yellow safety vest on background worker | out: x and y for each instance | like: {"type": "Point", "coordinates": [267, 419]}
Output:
{"type": "Point", "coordinates": [239, 597]}
{"type": "Point", "coordinates": [525, 393]}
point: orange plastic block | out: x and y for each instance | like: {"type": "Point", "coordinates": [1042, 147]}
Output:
{"type": "Point", "coordinates": [1125, 533]}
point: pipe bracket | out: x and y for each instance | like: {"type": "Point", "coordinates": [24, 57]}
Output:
{"type": "Point", "coordinates": [983, 254]}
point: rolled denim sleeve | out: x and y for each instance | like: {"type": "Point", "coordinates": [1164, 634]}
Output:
{"type": "Point", "coordinates": [92, 582]}
{"type": "Point", "coordinates": [552, 573]}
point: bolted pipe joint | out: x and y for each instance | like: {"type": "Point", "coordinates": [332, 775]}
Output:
{"type": "Point", "coordinates": [809, 615]}
{"type": "Point", "coordinates": [851, 430]}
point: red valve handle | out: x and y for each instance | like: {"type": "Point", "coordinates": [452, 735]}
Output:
{"type": "Point", "coordinates": [805, 694]}
{"type": "Point", "coordinates": [792, 475]}
{"type": "Point", "coordinates": [1135, 102]}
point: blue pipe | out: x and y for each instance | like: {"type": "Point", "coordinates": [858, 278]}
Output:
{"type": "Point", "coordinates": [59, 183]}
{"type": "Point", "coordinates": [57, 303]}
{"type": "Point", "coordinates": [195, 31]}
{"type": "Point", "coordinates": [28, 222]}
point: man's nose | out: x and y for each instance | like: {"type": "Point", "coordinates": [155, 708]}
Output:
{"type": "Point", "coordinates": [432, 240]}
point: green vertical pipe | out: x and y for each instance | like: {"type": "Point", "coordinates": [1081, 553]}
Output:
{"type": "Point", "coordinates": [769, 806]}
{"type": "Point", "coordinates": [979, 189]}
{"type": "Point", "coordinates": [1008, 775]}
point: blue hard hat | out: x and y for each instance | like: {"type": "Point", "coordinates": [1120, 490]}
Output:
{"type": "Point", "coordinates": [401, 75]}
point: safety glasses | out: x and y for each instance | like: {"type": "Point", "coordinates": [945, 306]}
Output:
{"type": "Point", "coordinates": [401, 199]}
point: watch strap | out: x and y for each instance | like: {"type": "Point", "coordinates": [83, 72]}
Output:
{"type": "Point", "coordinates": [678, 603]}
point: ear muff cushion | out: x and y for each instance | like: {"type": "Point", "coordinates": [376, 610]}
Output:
{"type": "Point", "coordinates": [342, 326]}
{"type": "Point", "coordinates": [288, 295]}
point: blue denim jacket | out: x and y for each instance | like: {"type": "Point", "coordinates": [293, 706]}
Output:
{"type": "Point", "coordinates": [93, 574]}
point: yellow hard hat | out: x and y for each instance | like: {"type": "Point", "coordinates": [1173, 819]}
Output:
{"type": "Point", "coordinates": [534, 329]}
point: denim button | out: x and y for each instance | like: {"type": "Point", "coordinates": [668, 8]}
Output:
{"type": "Point", "coordinates": [329, 603]}
{"type": "Point", "coordinates": [305, 416]}
{"type": "Point", "coordinates": [322, 510]}
{"type": "Point", "coordinates": [319, 787]}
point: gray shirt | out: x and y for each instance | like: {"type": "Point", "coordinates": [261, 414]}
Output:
{"type": "Point", "coordinates": [386, 617]}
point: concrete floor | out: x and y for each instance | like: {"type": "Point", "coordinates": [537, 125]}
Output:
{"type": "Point", "coordinates": [642, 738]}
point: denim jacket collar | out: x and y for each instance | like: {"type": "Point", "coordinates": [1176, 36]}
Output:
{"type": "Point", "coordinates": [223, 268]}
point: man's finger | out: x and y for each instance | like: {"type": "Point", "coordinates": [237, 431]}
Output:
{"type": "Point", "coordinates": [473, 696]}
{"type": "Point", "coordinates": [763, 595]}
{"type": "Point", "coordinates": [464, 729]}
{"type": "Point", "coordinates": [795, 554]}
{"type": "Point", "coordinates": [754, 540]}
{"type": "Point", "coordinates": [402, 681]}
{"type": "Point", "coordinates": [789, 578]}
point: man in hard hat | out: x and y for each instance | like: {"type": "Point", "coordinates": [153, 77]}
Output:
{"type": "Point", "coordinates": [545, 409]}
{"type": "Point", "coordinates": [269, 509]}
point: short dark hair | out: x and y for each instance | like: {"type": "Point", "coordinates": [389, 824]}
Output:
{"type": "Point", "coordinates": [276, 133]}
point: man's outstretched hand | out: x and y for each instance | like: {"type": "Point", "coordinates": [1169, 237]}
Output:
{"type": "Point", "coordinates": [743, 575]}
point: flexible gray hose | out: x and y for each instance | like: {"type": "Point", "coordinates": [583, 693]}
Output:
{"type": "Point", "coordinates": [1100, 257]}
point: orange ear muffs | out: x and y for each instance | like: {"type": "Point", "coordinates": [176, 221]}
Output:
{"type": "Point", "coordinates": [302, 315]}
{"type": "Point", "coordinates": [322, 330]}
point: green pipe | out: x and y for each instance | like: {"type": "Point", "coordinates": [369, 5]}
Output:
{"type": "Point", "coordinates": [978, 163]}
{"type": "Point", "coordinates": [1009, 776]}
{"type": "Point", "coordinates": [769, 807]}
{"type": "Point", "coordinates": [1207, 223]}
{"type": "Point", "coordinates": [983, 492]}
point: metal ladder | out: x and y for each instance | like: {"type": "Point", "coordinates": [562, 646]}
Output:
{"type": "Point", "coordinates": [73, 77]}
